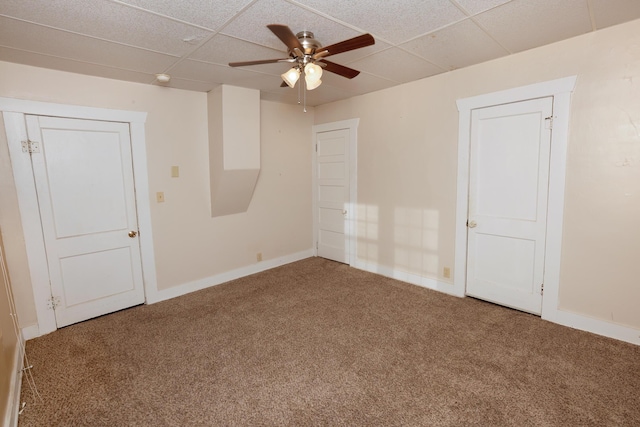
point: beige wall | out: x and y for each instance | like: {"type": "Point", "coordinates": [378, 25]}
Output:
{"type": "Point", "coordinates": [188, 243]}
{"type": "Point", "coordinates": [407, 166]}
{"type": "Point", "coordinates": [8, 344]}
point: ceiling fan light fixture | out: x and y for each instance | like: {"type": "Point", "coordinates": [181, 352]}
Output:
{"type": "Point", "coordinates": [312, 84]}
{"type": "Point", "coordinates": [291, 77]}
{"type": "Point", "coordinates": [312, 72]}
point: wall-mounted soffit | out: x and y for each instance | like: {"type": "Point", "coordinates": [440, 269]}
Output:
{"type": "Point", "coordinates": [234, 147]}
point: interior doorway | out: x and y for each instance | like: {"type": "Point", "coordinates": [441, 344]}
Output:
{"type": "Point", "coordinates": [15, 114]}
{"type": "Point", "coordinates": [560, 92]}
{"type": "Point", "coordinates": [334, 190]}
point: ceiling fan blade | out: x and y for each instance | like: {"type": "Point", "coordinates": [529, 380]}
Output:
{"type": "Point", "coordinates": [285, 34]}
{"type": "Point", "coordinates": [345, 46]}
{"type": "Point", "coordinates": [339, 69]}
{"type": "Point", "coordinates": [261, 61]}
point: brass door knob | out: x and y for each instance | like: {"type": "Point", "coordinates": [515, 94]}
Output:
{"type": "Point", "coordinates": [133, 234]}
{"type": "Point", "coordinates": [473, 224]}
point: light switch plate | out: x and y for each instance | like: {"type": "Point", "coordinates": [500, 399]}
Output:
{"type": "Point", "coordinates": [160, 196]}
{"type": "Point", "coordinates": [175, 171]}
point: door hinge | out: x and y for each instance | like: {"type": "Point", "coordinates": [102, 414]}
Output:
{"type": "Point", "coordinates": [549, 122]}
{"type": "Point", "coordinates": [542, 289]}
{"type": "Point", "coordinates": [316, 148]}
{"type": "Point", "coordinates": [53, 303]}
{"type": "Point", "coordinates": [30, 147]}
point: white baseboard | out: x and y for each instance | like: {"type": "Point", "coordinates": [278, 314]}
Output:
{"type": "Point", "coordinates": [13, 398]}
{"type": "Point", "coordinates": [564, 318]}
{"type": "Point", "coordinates": [30, 332]}
{"type": "Point", "coordinates": [596, 326]}
{"type": "Point", "coordinates": [403, 276]}
{"type": "Point", "coordinates": [207, 282]}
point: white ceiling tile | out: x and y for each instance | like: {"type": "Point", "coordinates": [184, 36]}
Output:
{"type": "Point", "coordinates": [362, 83]}
{"type": "Point", "coordinates": [525, 24]}
{"type": "Point", "coordinates": [109, 21]}
{"type": "Point", "coordinates": [188, 85]}
{"type": "Point", "coordinates": [203, 71]}
{"type": "Point", "coordinates": [260, 81]}
{"type": "Point", "coordinates": [35, 38]}
{"type": "Point", "coordinates": [210, 14]}
{"type": "Point", "coordinates": [457, 46]}
{"type": "Point", "coordinates": [354, 55]}
{"type": "Point", "coordinates": [477, 6]}
{"type": "Point", "coordinates": [271, 69]}
{"type": "Point", "coordinates": [396, 65]}
{"type": "Point", "coordinates": [612, 12]}
{"type": "Point", "coordinates": [223, 49]}
{"type": "Point", "coordinates": [252, 24]}
{"type": "Point", "coordinates": [395, 21]}
{"type": "Point", "coordinates": [62, 64]}
{"type": "Point", "coordinates": [319, 96]}
{"type": "Point", "coordinates": [212, 73]}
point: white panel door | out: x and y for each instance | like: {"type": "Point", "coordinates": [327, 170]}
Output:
{"type": "Point", "coordinates": [84, 182]}
{"type": "Point", "coordinates": [508, 185]}
{"type": "Point", "coordinates": [332, 159]}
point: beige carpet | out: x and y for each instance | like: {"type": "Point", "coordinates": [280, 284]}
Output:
{"type": "Point", "coordinates": [319, 343]}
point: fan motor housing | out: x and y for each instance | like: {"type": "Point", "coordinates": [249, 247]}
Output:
{"type": "Point", "coordinates": [308, 42]}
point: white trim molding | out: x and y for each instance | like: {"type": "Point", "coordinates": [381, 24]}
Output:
{"type": "Point", "coordinates": [30, 332]}
{"type": "Point", "coordinates": [597, 326]}
{"type": "Point", "coordinates": [207, 282]}
{"type": "Point", "coordinates": [352, 211]}
{"type": "Point", "coordinates": [14, 111]}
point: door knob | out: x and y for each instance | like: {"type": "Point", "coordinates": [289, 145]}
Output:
{"type": "Point", "coordinates": [133, 234]}
{"type": "Point", "coordinates": [344, 212]}
{"type": "Point", "coordinates": [472, 224]}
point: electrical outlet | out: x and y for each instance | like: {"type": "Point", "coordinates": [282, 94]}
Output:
{"type": "Point", "coordinates": [259, 256]}
{"type": "Point", "coordinates": [160, 196]}
{"type": "Point", "coordinates": [446, 272]}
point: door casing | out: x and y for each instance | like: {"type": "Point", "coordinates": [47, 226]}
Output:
{"type": "Point", "coordinates": [14, 111]}
{"type": "Point", "coordinates": [350, 230]}
{"type": "Point", "coordinates": [560, 90]}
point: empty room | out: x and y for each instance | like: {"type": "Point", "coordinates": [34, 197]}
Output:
{"type": "Point", "coordinates": [313, 212]}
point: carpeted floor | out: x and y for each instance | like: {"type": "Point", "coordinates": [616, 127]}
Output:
{"type": "Point", "coordinates": [318, 343]}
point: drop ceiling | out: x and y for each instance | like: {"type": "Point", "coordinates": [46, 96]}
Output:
{"type": "Point", "coordinates": [194, 40]}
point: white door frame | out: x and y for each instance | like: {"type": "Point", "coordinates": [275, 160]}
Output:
{"type": "Point", "coordinates": [352, 125]}
{"type": "Point", "coordinates": [560, 90]}
{"type": "Point", "coordinates": [13, 111]}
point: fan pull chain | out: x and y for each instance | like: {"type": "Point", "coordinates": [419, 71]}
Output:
{"type": "Point", "coordinates": [304, 106]}
{"type": "Point", "coordinates": [299, 94]}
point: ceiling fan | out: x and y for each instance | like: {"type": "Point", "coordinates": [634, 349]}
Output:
{"type": "Point", "coordinates": [308, 56]}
